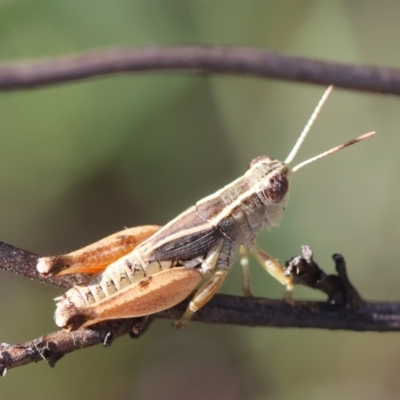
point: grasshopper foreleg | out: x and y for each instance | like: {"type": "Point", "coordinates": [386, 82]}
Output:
{"type": "Point", "coordinates": [274, 268]}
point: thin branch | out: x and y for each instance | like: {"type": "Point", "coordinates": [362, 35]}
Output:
{"type": "Point", "coordinates": [54, 346]}
{"type": "Point", "coordinates": [205, 59]}
{"type": "Point", "coordinates": [345, 309]}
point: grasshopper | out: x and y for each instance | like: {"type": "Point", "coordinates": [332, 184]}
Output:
{"type": "Point", "coordinates": [144, 270]}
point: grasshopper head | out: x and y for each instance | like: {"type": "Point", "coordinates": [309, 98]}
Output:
{"type": "Point", "coordinates": [270, 180]}
{"type": "Point", "coordinates": [272, 177]}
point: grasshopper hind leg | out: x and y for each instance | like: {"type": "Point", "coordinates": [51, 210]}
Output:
{"type": "Point", "coordinates": [96, 257]}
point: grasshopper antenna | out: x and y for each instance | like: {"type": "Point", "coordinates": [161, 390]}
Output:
{"type": "Point", "coordinates": [334, 150]}
{"type": "Point", "coordinates": [308, 126]}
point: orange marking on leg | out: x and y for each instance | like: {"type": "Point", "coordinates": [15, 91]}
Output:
{"type": "Point", "coordinates": [97, 256]}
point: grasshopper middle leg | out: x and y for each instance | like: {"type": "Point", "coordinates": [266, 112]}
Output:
{"type": "Point", "coordinates": [202, 296]}
{"type": "Point", "coordinates": [244, 263]}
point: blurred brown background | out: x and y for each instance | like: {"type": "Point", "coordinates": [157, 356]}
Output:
{"type": "Point", "coordinates": [81, 161]}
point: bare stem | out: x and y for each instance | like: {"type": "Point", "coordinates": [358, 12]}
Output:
{"type": "Point", "coordinates": [205, 59]}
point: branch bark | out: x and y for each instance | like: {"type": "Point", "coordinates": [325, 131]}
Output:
{"type": "Point", "coordinates": [344, 310]}
{"type": "Point", "coordinates": [204, 59]}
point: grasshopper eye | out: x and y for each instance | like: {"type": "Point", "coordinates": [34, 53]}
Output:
{"type": "Point", "coordinates": [276, 187]}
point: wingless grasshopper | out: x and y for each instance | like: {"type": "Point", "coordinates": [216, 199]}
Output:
{"type": "Point", "coordinates": [144, 270]}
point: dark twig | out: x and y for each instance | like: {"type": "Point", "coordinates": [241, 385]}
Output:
{"type": "Point", "coordinates": [344, 309]}
{"type": "Point", "coordinates": [339, 289]}
{"type": "Point", "coordinates": [53, 346]}
{"type": "Point", "coordinates": [206, 59]}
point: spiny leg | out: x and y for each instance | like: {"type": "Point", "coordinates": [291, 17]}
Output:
{"type": "Point", "coordinates": [244, 262]}
{"type": "Point", "coordinates": [97, 256]}
{"type": "Point", "coordinates": [274, 268]}
{"type": "Point", "coordinates": [202, 296]}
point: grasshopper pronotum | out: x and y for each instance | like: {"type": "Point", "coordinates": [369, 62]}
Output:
{"type": "Point", "coordinates": [144, 270]}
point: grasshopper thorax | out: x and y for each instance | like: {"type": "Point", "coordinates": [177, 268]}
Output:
{"type": "Point", "coordinates": [268, 181]}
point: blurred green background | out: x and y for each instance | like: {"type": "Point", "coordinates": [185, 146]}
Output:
{"type": "Point", "coordinates": [81, 161]}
